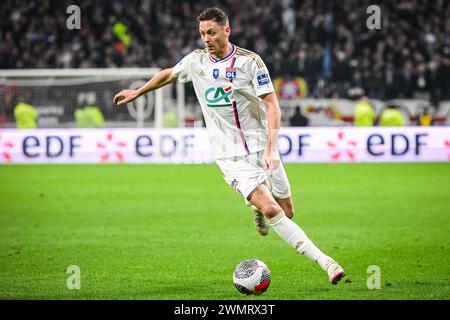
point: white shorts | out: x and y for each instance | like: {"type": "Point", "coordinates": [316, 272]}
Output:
{"type": "Point", "coordinates": [245, 173]}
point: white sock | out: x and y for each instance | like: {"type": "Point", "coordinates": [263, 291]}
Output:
{"type": "Point", "coordinates": [291, 232]}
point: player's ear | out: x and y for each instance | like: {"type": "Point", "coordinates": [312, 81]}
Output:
{"type": "Point", "coordinates": [228, 30]}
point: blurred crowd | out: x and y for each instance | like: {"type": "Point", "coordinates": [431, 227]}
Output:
{"type": "Point", "coordinates": [327, 43]}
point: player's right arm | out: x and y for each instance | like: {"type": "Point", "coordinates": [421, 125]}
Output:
{"type": "Point", "coordinates": [159, 80]}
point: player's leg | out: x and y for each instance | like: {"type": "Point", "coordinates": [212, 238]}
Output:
{"type": "Point", "coordinates": [244, 174]}
{"type": "Point", "coordinates": [262, 199]}
{"type": "Point", "coordinates": [287, 229]}
{"type": "Point", "coordinates": [287, 206]}
{"type": "Point", "coordinates": [248, 178]}
{"type": "Point", "coordinates": [281, 190]}
{"type": "Point", "coordinates": [259, 219]}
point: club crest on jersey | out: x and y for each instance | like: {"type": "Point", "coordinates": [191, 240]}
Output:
{"type": "Point", "coordinates": [230, 73]}
{"type": "Point", "coordinates": [218, 97]}
{"type": "Point", "coordinates": [215, 73]}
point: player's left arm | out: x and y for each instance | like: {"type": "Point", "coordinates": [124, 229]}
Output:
{"type": "Point", "coordinates": [271, 155]}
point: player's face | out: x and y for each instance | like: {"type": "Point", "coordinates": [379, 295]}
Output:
{"type": "Point", "coordinates": [214, 36]}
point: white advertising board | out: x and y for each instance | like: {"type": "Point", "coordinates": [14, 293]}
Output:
{"type": "Point", "coordinates": [191, 145]}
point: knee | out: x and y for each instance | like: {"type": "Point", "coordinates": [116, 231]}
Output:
{"type": "Point", "coordinates": [271, 210]}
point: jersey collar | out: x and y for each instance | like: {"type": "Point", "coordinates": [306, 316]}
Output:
{"type": "Point", "coordinates": [228, 57]}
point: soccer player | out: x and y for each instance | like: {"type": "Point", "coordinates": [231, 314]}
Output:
{"type": "Point", "coordinates": [242, 116]}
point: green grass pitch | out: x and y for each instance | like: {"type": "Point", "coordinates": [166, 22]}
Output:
{"type": "Point", "coordinates": [178, 231]}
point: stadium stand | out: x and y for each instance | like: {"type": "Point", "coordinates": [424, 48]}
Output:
{"type": "Point", "coordinates": [325, 44]}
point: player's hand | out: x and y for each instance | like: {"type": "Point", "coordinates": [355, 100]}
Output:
{"type": "Point", "coordinates": [271, 160]}
{"type": "Point", "coordinates": [125, 96]}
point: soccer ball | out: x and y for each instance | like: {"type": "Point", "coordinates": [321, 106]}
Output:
{"type": "Point", "coordinates": [251, 277]}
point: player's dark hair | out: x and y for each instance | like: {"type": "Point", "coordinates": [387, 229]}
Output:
{"type": "Point", "coordinates": [214, 14]}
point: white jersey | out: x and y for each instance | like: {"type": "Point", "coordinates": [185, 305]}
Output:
{"type": "Point", "coordinates": [228, 91]}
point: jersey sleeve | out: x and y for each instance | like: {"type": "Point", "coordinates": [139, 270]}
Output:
{"type": "Point", "coordinates": [260, 77]}
{"type": "Point", "coordinates": [182, 70]}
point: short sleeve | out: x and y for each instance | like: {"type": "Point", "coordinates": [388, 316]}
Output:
{"type": "Point", "coordinates": [182, 70]}
{"type": "Point", "coordinates": [260, 77]}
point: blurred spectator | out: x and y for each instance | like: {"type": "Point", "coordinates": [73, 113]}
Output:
{"type": "Point", "coordinates": [425, 118]}
{"type": "Point", "coordinates": [364, 115]}
{"type": "Point", "coordinates": [405, 81]}
{"type": "Point", "coordinates": [26, 116]}
{"type": "Point", "coordinates": [89, 117]}
{"type": "Point", "coordinates": [326, 43]}
{"type": "Point", "coordinates": [392, 117]}
{"type": "Point", "coordinates": [298, 119]}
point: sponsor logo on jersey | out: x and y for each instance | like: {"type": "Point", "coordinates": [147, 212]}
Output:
{"type": "Point", "coordinates": [218, 97]}
{"type": "Point", "coordinates": [230, 73]}
{"type": "Point", "coordinates": [201, 73]}
{"type": "Point", "coordinates": [263, 79]}
{"type": "Point", "coordinates": [215, 73]}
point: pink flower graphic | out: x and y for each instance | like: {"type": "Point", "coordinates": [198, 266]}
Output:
{"type": "Point", "coordinates": [5, 149]}
{"type": "Point", "coordinates": [342, 147]}
{"type": "Point", "coordinates": [111, 148]}
{"type": "Point", "coordinates": [447, 145]}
